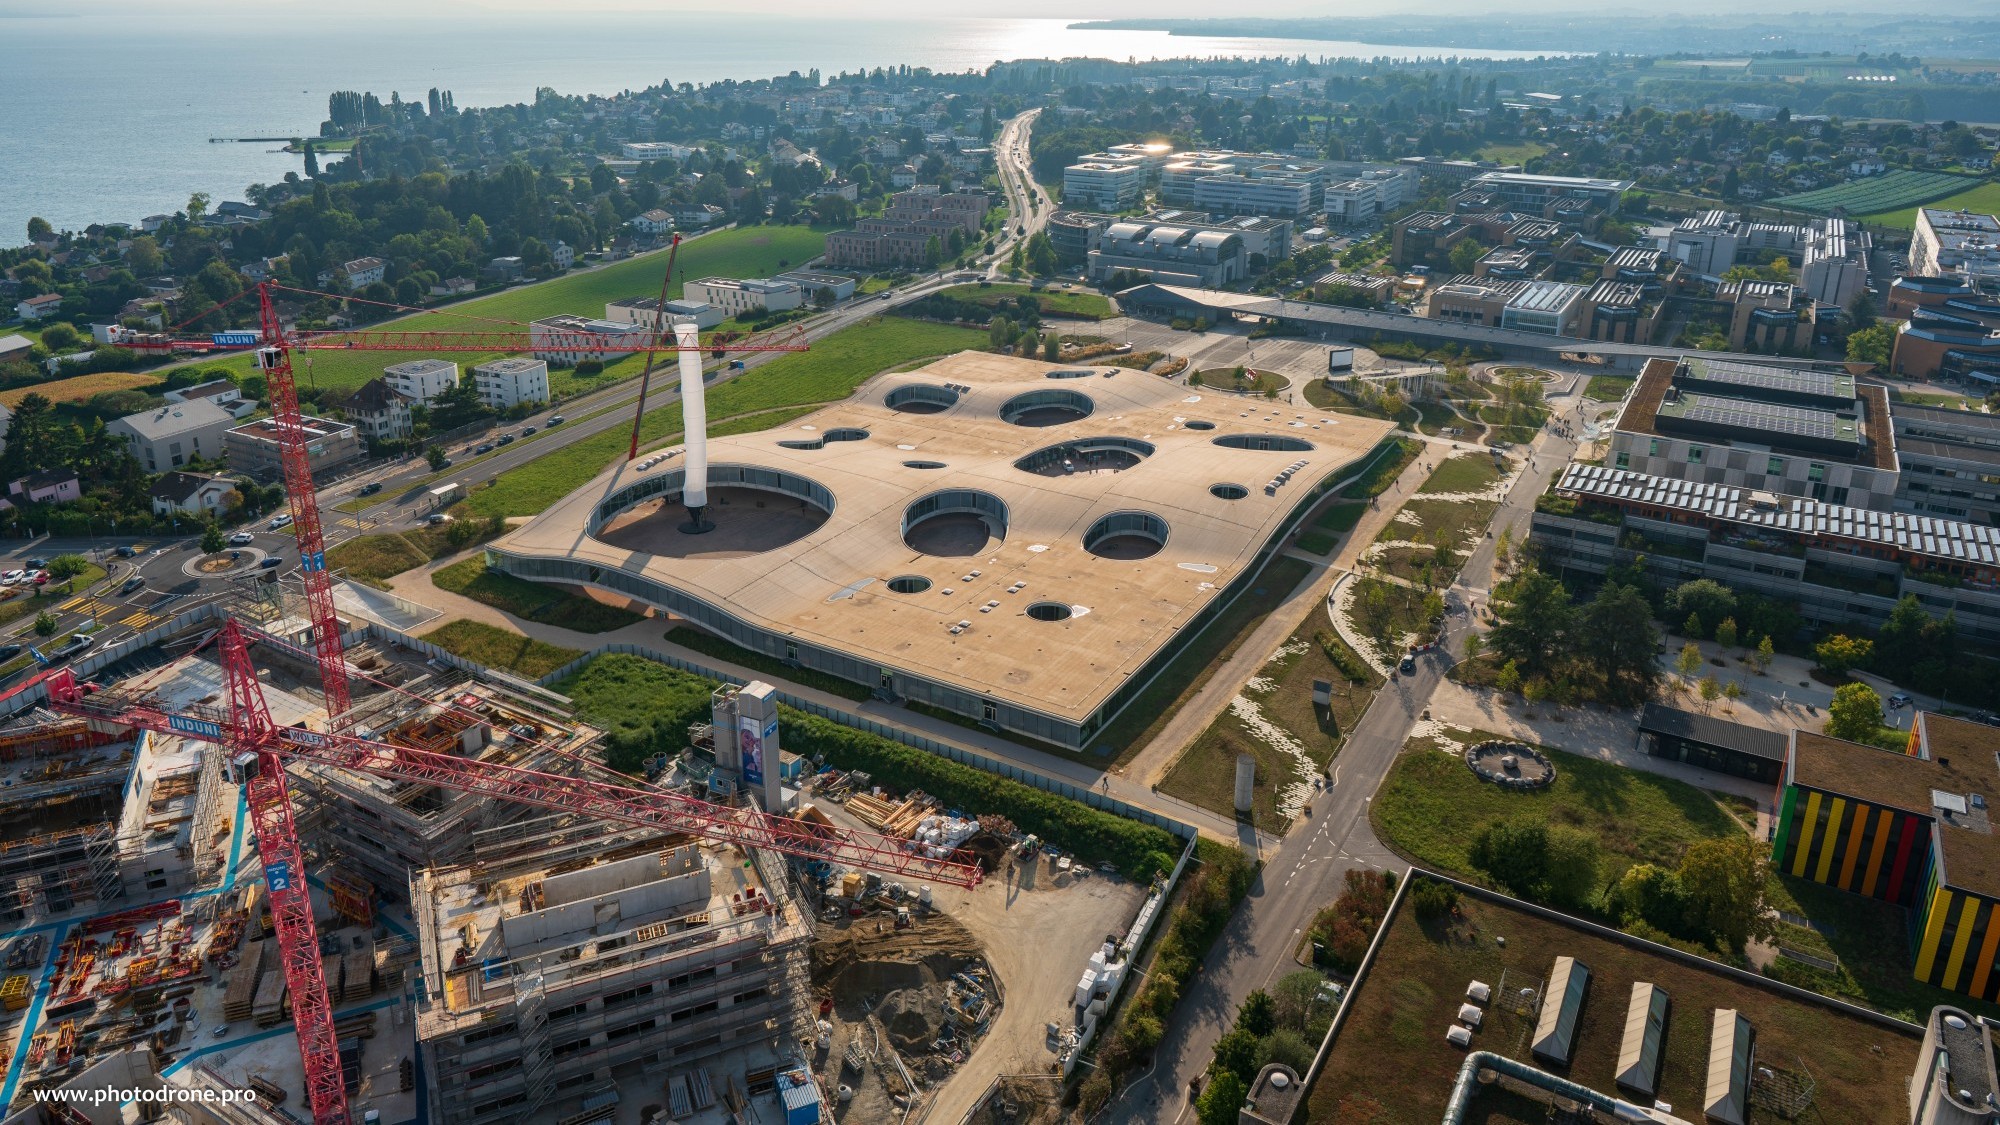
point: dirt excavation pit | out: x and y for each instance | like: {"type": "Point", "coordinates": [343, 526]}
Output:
{"type": "Point", "coordinates": [895, 1004]}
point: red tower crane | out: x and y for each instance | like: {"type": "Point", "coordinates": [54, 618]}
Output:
{"type": "Point", "coordinates": [244, 726]}
{"type": "Point", "coordinates": [247, 726]}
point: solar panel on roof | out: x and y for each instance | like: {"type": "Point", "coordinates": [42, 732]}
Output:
{"type": "Point", "coordinates": [1769, 416]}
{"type": "Point", "coordinates": [1772, 378]}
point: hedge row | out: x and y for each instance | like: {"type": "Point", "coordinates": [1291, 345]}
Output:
{"type": "Point", "coordinates": [645, 707]}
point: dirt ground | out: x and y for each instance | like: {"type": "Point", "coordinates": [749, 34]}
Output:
{"type": "Point", "coordinates": [1037, 930]}
{"type": "Point", "coordinates": [1021, 1101]}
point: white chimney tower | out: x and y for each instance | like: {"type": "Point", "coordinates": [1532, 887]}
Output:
{"type": "Point", "coordinates": [694, 419]}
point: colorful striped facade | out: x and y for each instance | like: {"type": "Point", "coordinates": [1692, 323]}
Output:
{"type": "Point", "coordinates": [1848, 843]}
{"type": "Point", "coordinates": [1922, 821]}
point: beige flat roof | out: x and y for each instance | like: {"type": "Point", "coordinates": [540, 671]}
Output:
{"type": "Point", "coordinates": [828, 588]}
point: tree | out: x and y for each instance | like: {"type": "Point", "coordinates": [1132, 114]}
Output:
{"type": "Point", "coordinates": [1725, 633]}
{"type": "Point", "coordinates": [60, 337]}
{"type": "Point", "coordinates": [1855, 713]}
{"type": "Point", "coordinates": [1723, 880]}
{"type": "Point", "coordinates": [1508, 679]}
{"type": "Point", "coordinates": [1689, 661]}
{"type": "Point", "coordinates": [1711, 690]}
{"type": "Point", "coordinates": [1236, 1054]}
{"type": "Point", "coordinates": [212, 540]}
{"type": "Point", "coordinates": [1465, 255]}
{"type": "Point", "coordinates": [1515, 853]}
{"type": "Point", "coordinates": [1573, 863]}
{"type": "Point", "coordinates": [197, 206]}
{"type": "Point", "coordinates": [436, 457]}
{"type": "Point", "coordinates": [1257, 1015]}
{"type": "Point", "coordinates": [312, 161]}
{"type": "Point", "coordinates": [1859, 314]}
{"type": "Point", "coordinates": [1052, 348]}
{"type": "Point", "coordinates": [1222, 1102]}
{"type": "Point", "coordinates": [1899, 644]}
{"type": "Point", "coordinates": [1840, 652]}
{"type": "Point", "coordinates": [45, 624]}
{"type": "Point", "coordinates": [1766, 652]}
{"type": "Point", "coordinates": [1872, 345]}
{"type": "Point", "coordinates": [1532, 615]}
{"type": "Point", "coordinates": [1693, 627]}
{"type": "Point", "coordinates": [39, 229]}
{"type": "Point", "coordinates": [1434, 901]}
{"type": "Point", "coordinates": [1475, 645]}
{"type": "Point", "coordinates": [1650, 894]}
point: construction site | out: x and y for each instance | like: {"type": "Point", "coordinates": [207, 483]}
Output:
{"type": "Point", "coordinates": [269, 862]}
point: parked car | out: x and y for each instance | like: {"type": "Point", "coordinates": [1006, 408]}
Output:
{"type": "Point", "coordinates": [72, 647]}
{"type": "Point", "coordinates": [9, 652]}
{"type": "Point", "coordinates": [121, 552]}
{"type": "Point", "coordinates": [43, 564]}
{"type": "Point", "coordinates": [41, 578]}
{"type": "Point", "coordinates": [12, 577]}
{"type": "Point", "coordinates": [1408, 665]}
{"type": "Point", "coordinates": [1898, 701]}
{"type": "Point", "coordinates": [241, 539]}
{"type": "Point", "coordinates": [282, 520]}
{"type": "Point", "coordinates": [371, 488]}
{"type": "Point", "coordinates": [271, 562]}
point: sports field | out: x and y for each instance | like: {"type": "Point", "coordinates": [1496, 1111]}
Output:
{"type": "Point", "coordinates": [1984, 199]}
{"type": "Point", "coordinates": [1887, 192]}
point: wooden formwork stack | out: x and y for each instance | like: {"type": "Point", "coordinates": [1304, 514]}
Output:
{"type": "Point", "coordinates": [241, 993]}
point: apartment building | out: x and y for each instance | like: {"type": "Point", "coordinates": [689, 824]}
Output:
{"type": "Point", "coordinates": [506, 383]}
{"type": "Point", "coordinates": [379, 411]}
{"type": "Point", "coordinates": [643, 312]}
{"type": "Point", "coordinates": [967, 209]}
{"type": "Point", "coordinates": [552, 972]}
{"type": "Point", "coordinates": [737, 296]}
{"type": "Point", "coordinates": [421, 380]}
{"type": "Point", "coordinates": [174, 434]}
{"type": "Point", "coordinates": [1104, 184]}
{"type": "Point", "coordinates": [568, 339]}
{"type": "Point", "coordinates": [252, 448]}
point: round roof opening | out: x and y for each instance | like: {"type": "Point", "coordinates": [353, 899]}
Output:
{"type": "Point", "coordinates": [1228, 491]}
{"type": "Point", "coordinates": [954, 523]}
{"type": "Point", "coordinates": [1086, 455]}
{"type": "Point", "coordinates": [1052, 407]}
{"type": "Point", "coordinates": [1264, 443]}
{"type": "Point", "coordinates": [1198, 424]}
{"type": "Point", "coordinates": [1071, 373]}
{"type": "Point", "coordinates": [909, 584]}
{"type": "Point", "coordinates": [1049, 611]}
{"type": "Point", "coordinates": [753, 508]}
{"type": "Point", "coordinates": [921, 398]}
{"type": "Point", "coordinates": [1126, 535]}
{"type": "Point", "coordinates": [923, 464]}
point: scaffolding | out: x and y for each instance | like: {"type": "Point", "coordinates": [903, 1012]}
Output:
{"type": "Point", "coordinates": [55, 872]}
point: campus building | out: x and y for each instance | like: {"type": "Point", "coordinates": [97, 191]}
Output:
{"type": "Point", "coordinates": [1169, 253]}
{"type": "Point", "coordinates": [1957, 244]}
{"type": "Point", "coordinates": [1909, 828]}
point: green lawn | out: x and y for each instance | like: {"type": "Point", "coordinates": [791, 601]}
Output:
{"type": "Point", "coordinates": [1198, 658]}
{"type": "Point", "coordinates": [1085, 305]}
{"type": "Point", "coordinates": [1460, 520]}
{"type": "Point", "coordinates": [1384, 465]}
{"type": "Point", "coordinates": [499, 648]}
{"type": "Point", "coordinates": [784, 388]}
{"type": "Point", "coordinates": [708, 644]}
{"type": "Point", "coordinates": [532, 601]}
{"type": "Point", "coordinates": [1607, 388]}
{"type": "Point", "coordinates": [742, 252]}
{"type": "Point", "coordinates": [1520, 152]}
{"type": "Point", "coordinates": [1467, 472]}
{"type": "Point", "coordinates": [1206, 774]}
{"type": "Point", "coordinates": [1241, 380]}
{"type": "Point", "coordinates": [372, 559]}
{"type": "Point", "coordinates": [1983, 199]}
{"type": "Point", "coordinates": [1869, 938]}
{"type": "Point", "coordinates": [1323, 534]}
{"type": "Point", "coordinates": [1431, 806]}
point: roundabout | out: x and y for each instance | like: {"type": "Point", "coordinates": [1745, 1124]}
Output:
{"type": "Point", "coordinates": [235, 560]}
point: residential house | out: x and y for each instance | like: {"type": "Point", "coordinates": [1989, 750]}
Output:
{"type": "Point", "coordinates": [563, 254]}
{"type": "Point", "coordinates": [845, 189]}
{"type": "Point", "coordinates": [14, 348]}
{"type": "Point", "coordinates": [363, 272]}
{"type": "Point", "coordinates": [504, 270]}
{"type": "Point", "coordinates": [903, 177]}
{"type": "Point", "coordinates": [35, 308]}
{"type": "Point", "coordinates": [263, 268]}
{"type": "Point", "coordinates": [655, 222]}
{"type": "Point", "coordinates": [193, 493]}
{"type": "Point", "coordinates": [453, 287]}
{"type": "Point", "coordinates": [174, 434]}
{"type": "Point", "coordinates": [379, 411]}
{"type": "Point", "coordinates": [698, 215]}
{"type": "Point", "coordinates": [221, 392]}
{"type": "Point", "coordinates": [49, 486]}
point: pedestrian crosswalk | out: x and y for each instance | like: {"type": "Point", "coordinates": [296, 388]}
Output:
{"type": "Point", "coordinates": [92, 607]}
{"type": "Point", "coordinates": [143, 620]}
{"type": "Point", "coordinates": [104, 610]}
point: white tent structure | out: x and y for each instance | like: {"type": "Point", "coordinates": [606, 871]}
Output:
{"type": "Point", "coordinates": [1562, 1006]}
{"type": "Point", "coordinates": [1645, 1032]}
{"type": "Point", "coordinates": [1732, 1052]}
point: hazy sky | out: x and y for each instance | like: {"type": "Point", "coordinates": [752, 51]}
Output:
{"type": "Point", "coordinates": [306, 12]}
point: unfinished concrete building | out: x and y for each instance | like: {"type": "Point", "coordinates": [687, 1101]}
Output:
{"type": "Point", "coordinates": [596, 965]}
{"type": "Point", "coordinates": [59, 819]}
{"type": "Point", "coordinates": [379, 830]}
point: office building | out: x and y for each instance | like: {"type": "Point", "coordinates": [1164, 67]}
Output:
{"type": "Point", "coordinates": [1538, 193]}
{"type": "Point", "coordinates": [1548, 307]}
{"type": "Point", "coordinates": [1104, 184]}
{"type": "Point", "coordinates": [1169, 253]}
{"type": "Point", "coordinates": [1957, 244]}
{"type": "Point", "coordinates": [568, 339]}
{"type": "Point", "coordinates": [644, 312]}
{"type": "Point", "coordinates": [1768, 316]}
{"type": "Point", "coordinates": [738, 296]}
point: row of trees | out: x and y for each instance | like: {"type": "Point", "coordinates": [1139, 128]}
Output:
{"type": "Point", "coordinates": [1602, 649]}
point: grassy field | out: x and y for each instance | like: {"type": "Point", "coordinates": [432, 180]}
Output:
{"type": "Point", "coordinates": [742, 252]}
{"type": "Point", "coordinates": [1467, 472]}
{"type": "Point", "coordinates": [1607, 388]}
{"type": "Point", "coordinates": [1519, 152]}
{"type": "Point", "coordinates": [1874, 194]}
{"type": "Point", "coordinates": [80, 388]}
{"type": "Point", "coordinates": [1084, 306]}
{"type": "Point", "coordinates": [1198, 658]}
{"type": "Point", "coordinates": [1241, 380]}
{"type": "Point", "coordinates": [531, 601]}
{"type": "Point", "coordinates": [1869, 938]}
{"type": "Point", "coordinates": [708, 644]}
{"type": "Point", "coordinates": [1322, 535]}
{"type": "Point", "coordinates": [1385, 464]}
{"type": "Point", "coordinates": [827, 373]}
{"type": "Point", "coordinates": [1272, 709]}
{"type": "Point", "coordinates": [372, 559]}
{"type": "Point", "coordinates": [1431, 806]}
{"type": "Point", "coordinates": [499, 648]}
{"type": "Point", "coordinates": [1413, 990]}
{"type": "Point", "coordinates": [1985, 199]}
